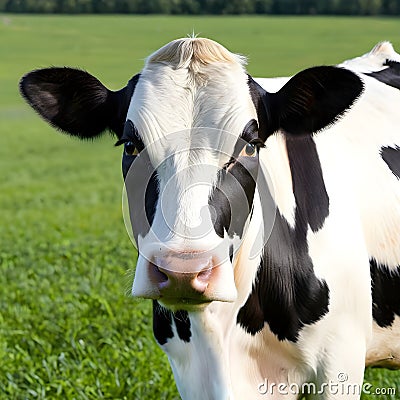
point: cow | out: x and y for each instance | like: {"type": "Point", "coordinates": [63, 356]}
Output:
{"type": "Point", "coordinates": [266, 213]}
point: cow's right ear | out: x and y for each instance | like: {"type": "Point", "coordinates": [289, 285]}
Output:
{"type": "Point", "coordinates": [76, 102]}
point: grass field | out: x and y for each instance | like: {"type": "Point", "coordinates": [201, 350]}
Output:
{"type": "Point", "coordinates": [68, 328]}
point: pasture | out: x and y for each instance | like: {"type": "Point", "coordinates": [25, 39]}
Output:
{"type": "Point", "coordinates": [68, 328]}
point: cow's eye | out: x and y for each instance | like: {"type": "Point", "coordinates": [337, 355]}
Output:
{"type": "Point", "coordinates": [130, 149]}
{"type": "Point", "coordinates": [250, 150]}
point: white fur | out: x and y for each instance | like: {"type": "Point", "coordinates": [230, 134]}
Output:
{"type": "Point", "coordinates": [181, 120]}
{"type": "Point", "coordinates": [374, 60]}
{"type": "Point", "coordinates": [384, 348]}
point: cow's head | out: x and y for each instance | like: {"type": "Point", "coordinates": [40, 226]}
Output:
{"type": "Point", "coordinates": [193, 125]}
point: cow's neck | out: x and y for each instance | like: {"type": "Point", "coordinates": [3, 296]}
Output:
{"type": "Point", "coordinates": [198, 344]}
{"type": "Point", "coordinates": [201, 364]}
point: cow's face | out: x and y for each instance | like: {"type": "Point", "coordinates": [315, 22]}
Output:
{"type": "Point", "coordinates": [193, 125]}
{"type": "Point", "coordinates": [190, 162]}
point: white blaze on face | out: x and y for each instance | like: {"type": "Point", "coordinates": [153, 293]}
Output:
{"type": "Point", "coordinates": [189, 107]}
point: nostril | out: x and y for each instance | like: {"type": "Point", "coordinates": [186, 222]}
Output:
{"type": "Point", "coordinates": [163, 276]}
{"type": "Point", "coordinates": [157, 275]}
{"type": "Point", "coordinates": [205, 275]}
{"type": "Point", "coordinates": [203, 278]}
{"type": "Point", "coordinates": [184, 277]}
{"type": "Point", "coordinates": [200, 283]}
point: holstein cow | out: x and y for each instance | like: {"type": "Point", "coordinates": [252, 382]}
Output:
{"type": "Point", "coordinates": [266, 213]}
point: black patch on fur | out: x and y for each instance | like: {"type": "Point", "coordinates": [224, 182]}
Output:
{"type": "Point", "coordinates": [385, 293]}
{"type": "Point", "coordinates": [312, 201]}
{"type": "Point", "coordinates": [142, 188]}
{"type": "Point", "coordinates": [162, 323]}
{"type": "Point", "coordinates": [260, 98]}
{"type": "Point", "coordinates": [286, 294]}
{"type": "Point", "coordinates": [250, 132]}
{"type": "Point", "coordinates": [142, 209]}
{"type": "Point", "coordinates": [391, 156]}
{"type": "Point", "coordinates": [76, 102]}
{"type": "Point", "coordinates": [121, 100]}
{"type": "Point", "coordinates": [232, 196]}
{"type": "Point", "coordinates": [182, 323]}
{"type": "Point", "coordinates": [390, 76]}
{"type": "Point", "coordinates": [231, 251]}
{"type": "Point", "coordinates": [151, 198]}
{"type": "Point", "coordinates": [131, 134]}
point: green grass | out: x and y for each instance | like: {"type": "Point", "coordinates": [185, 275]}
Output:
{"type": "Point", "coordinates": [68, 329]}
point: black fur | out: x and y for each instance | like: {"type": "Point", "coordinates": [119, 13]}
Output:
{"type": "Point", "coordinates": [182, 323]}
{"type": "Point", "coordinates": [232, 197]}
{"type": "Point", "coordinates": [391, 156]}
{"type": "Point", "coordinates": [130, 134]}
{"type": "Point", "coordinates": [313, 99]}
{"type": "Point", "coordinates": [142, 190]}
{"type": "Point", "coordinates": [261, 98]}
{"type": "Point", "coordinates": [385, 293]}
{"type": "Point", "coordinates": [390, 76]}
{"type": "Point", "coordinates": [162, 324]}
{"type": "Point", "coordinates": [231, 253]}
{"type": "Point", "coordinates": [312, 201]}
{"type": "Point", "coordinates": [76, 102]}
{"type": "Point", "coordinates": [286, 294]}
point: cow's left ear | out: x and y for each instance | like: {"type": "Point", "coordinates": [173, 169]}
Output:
{"type": "Point", "coordinates": [313, 99]}
{"type": "Point", "coordinates": [76, 102]}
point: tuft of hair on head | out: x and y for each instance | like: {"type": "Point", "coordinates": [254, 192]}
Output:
{"type": "Point", "coordinates": [192, 35]}
{"type": "Point", "coordinates": [194, 54]}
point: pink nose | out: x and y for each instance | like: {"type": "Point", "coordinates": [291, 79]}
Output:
{"type": "Point", "coordinates": [181, 277]}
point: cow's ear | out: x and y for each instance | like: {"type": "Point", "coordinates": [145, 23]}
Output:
{"type": "Point", "coordinates": [314, 99]}
{"type": "Point", "coordinates": [75, 101]}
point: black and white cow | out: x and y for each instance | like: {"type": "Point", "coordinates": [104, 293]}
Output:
{"type": "Point", "coordinates": [266, 212]}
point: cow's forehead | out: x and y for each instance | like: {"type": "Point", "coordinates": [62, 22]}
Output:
{"type": "Point", "coordinates": [191, 103]}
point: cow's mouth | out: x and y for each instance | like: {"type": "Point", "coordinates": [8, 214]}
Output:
{"type": "Point", "coordinates": [184, 283]}
{"type": "Point", "coordinates": [185, 303]}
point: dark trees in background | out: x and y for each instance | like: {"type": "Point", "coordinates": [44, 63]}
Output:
{"type": "Point", "coordinates": [294, 7]}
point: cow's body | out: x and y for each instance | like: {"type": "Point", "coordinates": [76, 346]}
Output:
{"type": "Point", "coordinates": [380, 219]}
{"type": "Point", "coordinates": [256, 305]}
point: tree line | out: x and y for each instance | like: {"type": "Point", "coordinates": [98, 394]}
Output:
{"type": "Point", "coordinates": [279, 7]}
